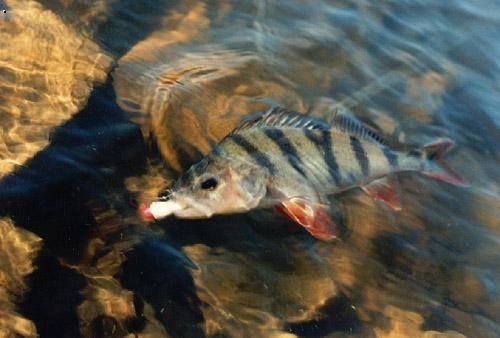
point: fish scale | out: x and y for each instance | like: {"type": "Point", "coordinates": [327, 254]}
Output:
{"type": "Point", "coordinates": [292, 149]}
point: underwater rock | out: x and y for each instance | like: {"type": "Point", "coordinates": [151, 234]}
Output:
{"type": "Point", "coordinates": [47, 71]}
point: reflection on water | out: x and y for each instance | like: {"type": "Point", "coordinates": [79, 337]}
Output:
{"type": "Point", "coordinates": [81, 147]}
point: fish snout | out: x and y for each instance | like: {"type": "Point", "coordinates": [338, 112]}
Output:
{"type": "Point", "coordinates": [159, 209]}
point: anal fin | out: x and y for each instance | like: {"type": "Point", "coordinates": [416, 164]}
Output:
{"type": "Point", "coordinates": [384, 190]}
{"type": "Point", "coordinates": [313, 217]}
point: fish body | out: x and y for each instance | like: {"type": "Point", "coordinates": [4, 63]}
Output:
{"type": "Point", "coordinates": [292, 162]}
{"type": "Point", "coordinates": [329, 161]}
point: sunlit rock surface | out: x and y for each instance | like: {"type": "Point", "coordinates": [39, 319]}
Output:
{"type": "Point", "coordinates": [47, 71]}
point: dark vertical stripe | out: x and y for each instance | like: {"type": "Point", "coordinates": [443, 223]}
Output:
{"type": "Point", "coordinates": [287, 148]}
{"type": "Point", "coordinates": [391, 156]}
{"type": "Point", "coordinates": [259, 157]}
{"type": "Point", "coordinates": [360, 154]}
{"type": "Point", "coordinates": [323, 140]}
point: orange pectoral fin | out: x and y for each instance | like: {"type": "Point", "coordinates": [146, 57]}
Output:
{"type": "Point", "coordinates": [312, 217]}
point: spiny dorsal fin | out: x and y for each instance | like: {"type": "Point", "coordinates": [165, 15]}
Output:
{"type": "Point", "coordinates": [281, 117]}
{"type": "Point", "coordinates": [354, 127]}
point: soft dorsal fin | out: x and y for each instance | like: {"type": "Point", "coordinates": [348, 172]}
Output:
{"type": "Point", "coordinates": [281, 117]}
{"type": "Point", "coordinates": [355, 127]}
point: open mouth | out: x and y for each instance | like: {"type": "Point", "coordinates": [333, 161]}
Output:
{"type": "Point", "coordinates": [184, 207]}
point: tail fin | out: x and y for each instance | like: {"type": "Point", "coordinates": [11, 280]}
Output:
{"type": "Point", "coordinates": [438, 169]}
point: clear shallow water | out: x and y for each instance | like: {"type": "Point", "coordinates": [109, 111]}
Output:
{"type": "Point", "coordinates": [102, 104]}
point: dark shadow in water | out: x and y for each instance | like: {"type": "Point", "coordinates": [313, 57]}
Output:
{"type": "Point", "coordinates": [93, 151]}
{"type": "Point", "coordinates": [211, 232]}
{"type": "Point", "coordinates": [336, 315]}
{"type": "Point", "coordinates": [156, 270]}
{"type": "Point", "coordinates": [52, 301]}
{"type": "Point", "coordinates": [252, 232]}
{"type": "Point", "coordinates": [53, 194]}
{"type": "Point", "coordinates": [235, 233]}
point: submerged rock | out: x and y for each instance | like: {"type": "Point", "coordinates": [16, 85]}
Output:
{"type": "Point", "coordinates": [47, 71]}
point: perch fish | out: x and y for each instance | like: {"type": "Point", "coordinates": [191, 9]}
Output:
{"type": "Point", "coordinates": [292, 162]}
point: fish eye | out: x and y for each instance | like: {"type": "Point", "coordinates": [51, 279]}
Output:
{"type": "Point", "coordinates": [209, 183]}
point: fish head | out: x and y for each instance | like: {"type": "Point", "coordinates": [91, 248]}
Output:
{"type": "Point", "coordinates": [215, 185]}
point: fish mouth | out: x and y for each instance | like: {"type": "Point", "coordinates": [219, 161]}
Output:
{"type": "Point", "coordinates": [161, 209]}
{"type": "Point", "coordinates": [186, 209]}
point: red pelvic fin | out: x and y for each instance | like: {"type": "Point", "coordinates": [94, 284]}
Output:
{"type": "Point", "coordinates": [439, 169]}
{"type": "Point", "coordinates": [384, 190]}
{"type": "Point", "coordinates": [312, 217]}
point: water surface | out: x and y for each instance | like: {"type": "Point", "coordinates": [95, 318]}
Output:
{"type": "Point", "coordinates": [104, 103]}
